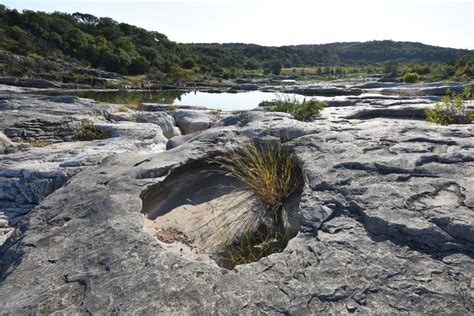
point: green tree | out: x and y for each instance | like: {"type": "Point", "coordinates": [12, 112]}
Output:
{"type": "Point", "coordinates": [276, 67]}
{"type": "Point", "coordinates": [139, 65]}
{"type": "Point", "coordinates": [188, 63]}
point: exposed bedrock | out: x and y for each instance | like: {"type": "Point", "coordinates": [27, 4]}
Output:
{"type": "Point", "coordinates": [202, 207]}
{"type": "Point", "coordinates": [434, 89]}
{"type": "Point", "coordinates": [385, 225]}
{"type": "Point", "coordinates": [39, 152]}
{"type": "Point", "coordinates": [312, 90]}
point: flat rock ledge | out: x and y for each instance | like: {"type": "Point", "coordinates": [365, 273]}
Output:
{"type": "Point", "coordinates": [386, 226]}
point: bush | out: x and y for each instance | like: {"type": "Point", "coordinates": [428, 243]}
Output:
{"type": "Point", "coordinates": [276, 67]}
{"type": "Point", "coordinates": [452, 109]}
{"type": "Point", "coordinates": [410, 77]}
{"type": "Point", "coordinates": [301, 110]}
{"type": "Point", "coordinates": [88, 132]}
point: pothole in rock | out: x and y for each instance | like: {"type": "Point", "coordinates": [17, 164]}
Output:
{"type": "Point", "coordinates": [200, 211]}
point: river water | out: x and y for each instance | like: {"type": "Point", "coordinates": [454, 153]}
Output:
{"type": "Point", "coordinates": [219, 101]}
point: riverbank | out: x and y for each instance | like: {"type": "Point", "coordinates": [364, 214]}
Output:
{"type": "Point", "coordinates": [247, 96]}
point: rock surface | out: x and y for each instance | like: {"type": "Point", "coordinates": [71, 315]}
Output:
{"type": "Point", "coordinates": [5, 143]}
{"type": "Point", "coordinates": [44, 154]}
{"type": "Point", "coordinates": [386, 222]}
{"type": "Point", "coordinates": [316, 90]}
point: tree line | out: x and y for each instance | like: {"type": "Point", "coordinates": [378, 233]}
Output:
{"type": "Point", "coordinates": [104, 43]}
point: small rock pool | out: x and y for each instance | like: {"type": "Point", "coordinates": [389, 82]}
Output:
{"type": "Point", "coordinates": [220, 101]}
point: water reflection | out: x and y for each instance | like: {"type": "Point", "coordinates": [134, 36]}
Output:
{"type": "Point", "coordinates": [222, 101]}
{"type": "Point", "coordinates": [127, 97]}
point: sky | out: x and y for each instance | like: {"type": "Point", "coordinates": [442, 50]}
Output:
{"type": "Point", "coordinates": [447, 23]}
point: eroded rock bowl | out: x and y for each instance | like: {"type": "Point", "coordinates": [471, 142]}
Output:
{"type": "Point", "coordinates": [200, 211]}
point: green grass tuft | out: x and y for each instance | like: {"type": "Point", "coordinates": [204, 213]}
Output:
{"type": "Point", "coordinates": [301, 110]}
{"type": "Point", "coordinates": [253, 247]}
{"type": "Point", "coordinates": [88, 132]}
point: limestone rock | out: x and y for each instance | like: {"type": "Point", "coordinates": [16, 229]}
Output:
{"type": "Point", "coordinates": [165, 121]}
{"type": "Point", "coordinates": [386, 220]}
{"type": "Point", "coordinates": [322, 90]}
{"type": "Point", "coordinates": [5, 143]}
{"type": "Point", "coordinates": [190, 121]}
{"type": "Point", "coordinates": [247, 87]}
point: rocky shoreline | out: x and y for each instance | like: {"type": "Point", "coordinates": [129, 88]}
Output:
{"type": "Point", "coordinates": [385, 221]}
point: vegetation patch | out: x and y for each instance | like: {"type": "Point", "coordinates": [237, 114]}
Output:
{"type": "Point", "coordinates": [123, 109]}
{"type": "Point", "coordinates": [272, 173]}
{"type": "Point", "coordinates": [452, 109]}
{"type": "Point", "coordinates": [51, 42]}
{"type": "Point", "coordinates": [252, 247]}
{"type": "Point", "coordinates": [301, 110]}
{"type": "Point", "coordinates": [216, 115]}
{"type": "Point", "coordinates": [36, 142]}
{"type": "Point", "coordinates": [88, 132]}
{"type": "Point", "coordinates": [410, 77]}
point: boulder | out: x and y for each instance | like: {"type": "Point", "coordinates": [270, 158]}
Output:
{"type": "Point", "coordinates": [163, 120]}
{"type": "Point", "coordinates": [190, 121]}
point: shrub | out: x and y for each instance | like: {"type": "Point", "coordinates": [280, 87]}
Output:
{"type": "Point", "coordinates": [88, 132]}
{"type": "Point", "coordinates": [452, 109]}
{"type": "Point", "coordinates": [410, 77]}
{"type": "Point", "coordinates": [301, 110]}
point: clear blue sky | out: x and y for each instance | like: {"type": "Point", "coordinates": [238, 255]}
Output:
{"type": "Point", "coordinates": [446, 23]}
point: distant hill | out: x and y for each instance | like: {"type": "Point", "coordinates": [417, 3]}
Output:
{"type": "Point", "coordinates": [381, 51]}
{"type": "Point", "coordinates": [330, 54]}
{"type": "Point", "coordinates": [103, 43]}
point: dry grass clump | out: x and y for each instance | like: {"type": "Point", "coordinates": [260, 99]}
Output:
{"type": "Point", "coordinates": [269, 170]}
{"type": "Point", "coordinates": [36, 142]}
{"type": "Point", "coordinates": [272, 173]}
{"type": "Point", "coordinates": [122, 109]}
